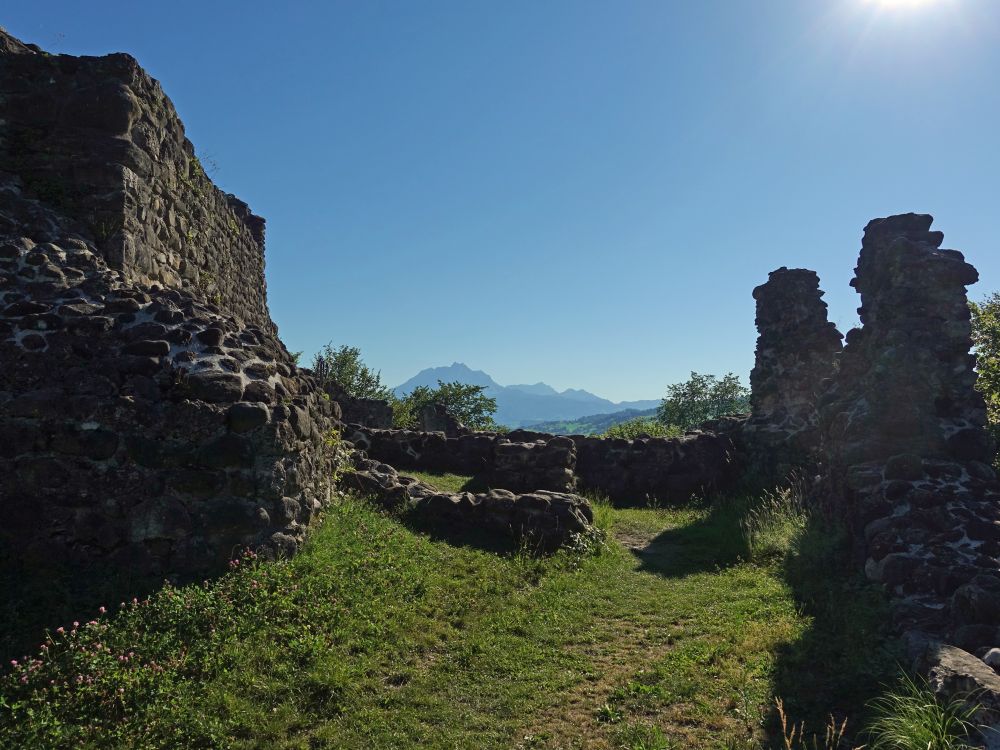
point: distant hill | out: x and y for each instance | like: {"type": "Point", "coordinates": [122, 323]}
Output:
{"type": "Point", "coordinates": [519, 405]}
{"type": "Point", "coordinates": [595, 424]}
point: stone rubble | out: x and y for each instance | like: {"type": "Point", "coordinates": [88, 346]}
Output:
{"type": "Point", "coordinates": [548, 519]}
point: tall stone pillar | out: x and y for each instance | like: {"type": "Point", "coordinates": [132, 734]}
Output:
{"type": "Point", "coordinates": [797, 352]}
{"type": "Point", "coordinates": [905, 440]}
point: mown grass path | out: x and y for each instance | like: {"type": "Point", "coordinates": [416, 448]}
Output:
{"type": "Point", "coordinates": [379, 636]}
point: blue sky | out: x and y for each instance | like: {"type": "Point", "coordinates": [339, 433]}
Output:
{"type": "Point", "coordinates": [579, 192]}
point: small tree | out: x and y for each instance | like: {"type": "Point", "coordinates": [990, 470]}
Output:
{"type": "Point", "coordinates": [986, 339]}
{"type": "Point", "coordinates": [467, 403]}
{"type": "Point", "coordinates": [702, 397]}
{"type": "Point", "coordinates": [344, 368]}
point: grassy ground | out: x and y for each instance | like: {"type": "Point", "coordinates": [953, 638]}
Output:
{"type": "Point", "coordinates": [379, 637]}
{"type": "Point", "coordinates": [447, 482]}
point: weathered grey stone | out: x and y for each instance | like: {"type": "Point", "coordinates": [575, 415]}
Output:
{"type": "Point", "coordinates": [244, 417]}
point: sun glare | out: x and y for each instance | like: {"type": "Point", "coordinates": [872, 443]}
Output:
{"type": "Point", "coordinates": [900, 4]}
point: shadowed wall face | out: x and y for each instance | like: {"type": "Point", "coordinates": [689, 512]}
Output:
{"type": "Point", "coordinates": [98, 140]}
{"type": "Point", "coordinates": [150, 416]}
{"type": "Point", "coordinates": [797, 351]}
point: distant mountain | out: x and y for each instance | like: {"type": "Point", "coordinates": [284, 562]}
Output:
{"type": "Point", "coordinates": [454, 372]}
{"type": "Point", "coordinates": [519, 405]}
{"type": "Point", "coordinates": [538, 389]}
{"type": "Point", "coordinates": [595, 424]}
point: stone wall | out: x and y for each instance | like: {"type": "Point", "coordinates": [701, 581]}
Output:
{"type": "Point", "coordinates": [906, 447]}
{"type": "Point", "coordinates": [543, 518]}
{"type": "Point", "coordinates": [797, 353]}
{"type": "Point", "coordinates": [668, 470]}
{"type": "Point", "coordinates": [627, 471]}
{"type": "Point", "coordinates": [367, 412]}
{"type": "Point", "coordinates": [542, 465]}
{"type": "Point", "coordinates": [148, 414]}
{"type": "Point", "coordinates": [470, 454]}
{"type": "Point", "coordinates": [98, 140]}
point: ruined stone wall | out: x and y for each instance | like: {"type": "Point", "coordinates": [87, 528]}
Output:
{"type": "Point", "coordinates": [627, 471]}
{"type": "Point", "coordinates": [544, 519]}
{"type": "Point", "coordinates": [667, 470]}
{"type": "Point", "coordinates": [147, 417]}
{"type": "Point", "coordinates": [367, 412]}
{"type": "Point", "coordinates": [98, 140]}
{"type": "Point", "coordinates": [797, 353]}
{"type": "Point", "coordinates": [905, 446]}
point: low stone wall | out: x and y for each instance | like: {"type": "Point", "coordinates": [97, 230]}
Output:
{"type": "Point", "coordinates": [627, 471]}
{"type": "Point", "coordinates": [542, 465]}
{"type": "Point", "coordinates": [426, 451]}
{"type": "Point", "coordinates": [367, 412]}
{"type": "Point", "coordinates": [667, 470]}
{"type": "Point", "coordinates": [547, 519]}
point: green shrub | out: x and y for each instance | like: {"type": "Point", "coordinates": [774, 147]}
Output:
{"type": "Point", "coordinates": [642, 427]}
{"type": "Point", "coordinates": [986, 339]}
{"type": "Point", "coordinates": [467, 403]}
{"type": "Point", "coordinates": [344, 368]}
{"type": "Point", "coordinates": [703, 397]}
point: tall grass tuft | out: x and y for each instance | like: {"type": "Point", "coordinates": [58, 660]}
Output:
{"type": "Point", "coordinates": [911, 717]}
{"type": "Point", "coordinates": [774, 521]}
{"type": "Point", "coordinates": [795, 737]}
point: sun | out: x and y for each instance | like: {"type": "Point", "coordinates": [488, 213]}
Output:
{"type": "Point", "coordinates": [900, 4]}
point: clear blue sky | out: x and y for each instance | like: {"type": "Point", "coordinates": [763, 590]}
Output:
{"type": "Point", "coordinates": [578, 192]}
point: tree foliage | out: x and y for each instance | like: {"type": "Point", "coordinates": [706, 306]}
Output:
{"type": "Point", "coordinates": [642, 427]}
{"type": "Point", "coordinates": [467, 403]}
{"type": "Point", "coordinates": [702, 397]}
{"type": "Point", "coordinates": [986, 339]}
{"type": "Point", "coordinates": [344, 368]}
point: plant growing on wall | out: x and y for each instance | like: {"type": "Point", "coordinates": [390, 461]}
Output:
{"type": "Point", "coordinates": [986, 340]}
{"type": "Point", "coordinates": [344, 368]}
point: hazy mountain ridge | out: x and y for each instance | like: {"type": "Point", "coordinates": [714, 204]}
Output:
{"type": "Point", "coordinates": [594, 424]}
{"type": "Point", "coordinates": [520, 405]}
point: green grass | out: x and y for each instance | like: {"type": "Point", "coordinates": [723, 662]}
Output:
{"type": "Point", "coordinates": [447, 482]}
{"type": "Point", "coordinates": [911, 718]}
{"type": "Point", "coordinates": [377, 636]}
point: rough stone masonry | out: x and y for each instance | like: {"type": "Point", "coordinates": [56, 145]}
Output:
{"type": "Point", "coordinates": [149, 416]}
{"type": "Point", "coordinates": [907, 451]}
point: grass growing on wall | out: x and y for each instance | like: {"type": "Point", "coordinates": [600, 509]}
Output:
{"type": "Point", "coordinates": [672, 635]}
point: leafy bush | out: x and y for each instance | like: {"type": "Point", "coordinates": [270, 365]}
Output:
{"type": "Point", "coordinates": [642, 427]}
{"type": "Point", "coordinates": [344, 368]}
{"type": "Point", "coordinates": [911, 717]}
{"type": "Point", "coordinates": [702, 397]}
{"type": "Point", "coordinates": [467, 403]}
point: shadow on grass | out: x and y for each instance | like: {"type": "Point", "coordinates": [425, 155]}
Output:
{"type": "Point", "coordinates": [461, 535]}
{"type": "Point", "coordinates": [848, 653]}
{"type": "Point", "coordinates": [45, 595]}
{"type": "Point", "coordinates": [710, 543]}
